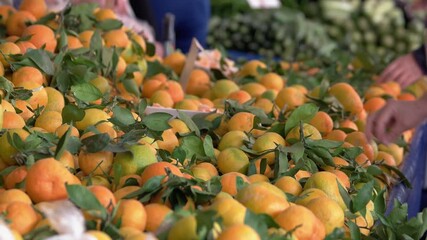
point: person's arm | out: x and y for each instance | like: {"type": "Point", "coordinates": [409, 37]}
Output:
{"type": "Point", "coordinates": [394, 118]}
{"type": "Point", "coordinates": [405, 70]}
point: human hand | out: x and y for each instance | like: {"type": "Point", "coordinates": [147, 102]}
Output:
{"type": "Point", "coordinates": [394, 118]}
{"type": "Point", "coordinates": [404, 70]}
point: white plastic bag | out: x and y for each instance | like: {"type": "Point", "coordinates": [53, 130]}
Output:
{"type": "Point", "coordinates": [6, 233]}
{"type": "Point", "coordinates": [66, 219]}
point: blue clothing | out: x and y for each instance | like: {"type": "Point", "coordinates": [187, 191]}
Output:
{"type": "Point", "coordinates": [420, 58]}
{"type": "Point", "coordinates": [191, 20]}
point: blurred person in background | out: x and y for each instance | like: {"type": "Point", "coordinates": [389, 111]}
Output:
{"type": "Point", "coordinates": [191, 19]}
{"type": "Point", "coordinates": [395, 117]}
{"type": "Point", "coordinates": [407, 69]}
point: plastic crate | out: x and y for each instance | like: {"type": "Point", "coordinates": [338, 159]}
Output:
{"type": "Point", "coordinates": [414, 168]}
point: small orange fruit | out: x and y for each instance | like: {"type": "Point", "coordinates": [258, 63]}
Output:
{"type": "Point", "coordinates": [306, 225]}
{"type": "Point", "coordinates": [156, 213]}
{"type": "Point", "coordinates": [272, 81]}
{"type": "Point", "coordinates": [104, 196]}
{"type": "Point", "coordinates": [41, 35]}
{"type": "Point", "coordinates": [347, 97]}
{"type": "Point", "coordinates": [239, 232]}
{"type": "Point", "coordinates": [290, 97]}
{"type": "Point", "coordinates": [131, 213]}
{"type": "Point", "coordinates": [263, 197]}
{"type": "Point", "coordinates": [46, 180]}
{"type": "Point", "coordinates": [289, 185]}
{"type": "Point", "coordinates": [17, 22]}
{"type": "Point", "coordinates": [176, 61]}
{"type": "Point", "coordinates": [232, 160]}
{"type": "Point", "coordinates": [22, 216]}
{"type": "Point", "coordinates": [198, 82]}
{"type": "Point", "coordinates": [37, 7]}
{"type": "Point", "coordinates": [229, 182]}
{"type": "Point", "coordinates": [158, 169]}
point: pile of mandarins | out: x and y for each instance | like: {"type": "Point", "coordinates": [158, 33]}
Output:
{"type": "Point", "coordinates": [268, 164]}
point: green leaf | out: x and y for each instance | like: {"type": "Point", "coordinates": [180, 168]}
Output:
{"type": "Point", "coordinates": [374, 170]}
{"type": "Point", "coordinates": [73, 145]}
{"type": "Point", "coordinates": [78, 21]}
{"type": "Point", "coordinates": [344, 194]}
{"type": "Point", "coordinates": [109, 24]}
{"type": "Point", "coordinates": [193, 146]}
{"type": "Point", "coordinates": [352, 152]}
{"type": "Point", "coordinates": [202, 123]}
{"type": "Point", "coordinates": [112, 231]}
{"type": "Point", "coordinates": [96, 41]}
{"type": "Point", "coordinates": [46, 19]}
{"type": "Point", "coordinates": [156, 67]}
{"type": "Point", "coordinates": [422, 230]}
{"type": "Point", "coordinates": [189, 122]}
{"type": "Point", "coordinates": [150, 49]}
{"type": "Point", "coordinates": [380, 203]}
{"type": "Point", "coordinates": [130, 86]}
{"type": "Point", "coordinates": [96, 143]}
{"type": "Point", "coordinates": [338, 233]}
{"type": "Point", "coordinates": [240, 183]}
{"type": "Point", "coordinates": [303, 113]}
{"type": "Point", "coordinates": [259, 222]}
{"type": "Point", "coordinates": [323, 143]}
{"type": "Point", "coordinates": [157, 121]}
{"type": "Point", "coordinates": [62, 144]}
{"type": "Point", "coordinates": [61, 79]}
{"type": "Point", "coordinates": [278, 128]}
{"type": "Point", "coordinates": [117, 172]}
{"type": "Point", "coordinates": [399, 173]}
{"type": "Point", "coordinates": [123, 116]}
{"type": "Point", "coordinates": [71, 113]}
{"type": "Point", "coordinates": [6, 85]}
{"type": "Point", "coordinates": [208, 147]}
{"type": "Point", "coordinates": [142, 106]}
{"type": "Point", "coordinates": [29, 161]}
{"type": "Point", "coordinates": [131, 182]}
{"type": "Point", "coordinates": [35, 141]}
{"type": "Point", "coordinates": [153, 185]}
{"type": "Point", "coordinates": [251, 169]}
{"type": "Point", "coordinates": [85, 199]}
{"type": "Point", "coordinates": [16, 141]}
{"type": "Point", "coordinates": [86, 92]}
{"type": "Point", "coordinates": [205, 223]}
{"type": "Point", "coordinates": [179, 154]}
{"type": "Point", "coordinates": [354, 230]}
{"type": "Point", "coordinates": [399, 213]}
{"type": "Point", "coordinates": [362, 197]}
{"type": "Point", "coordinates": [281, 162]}
{"type": "Point", "coordinates": [296, 150]}
{"type": "Point", "coordinates": [324, 86]}
{"type": "Point", "coordinates": [63, 40]}
{"type": "Point", "coordinates": [21, 93]}
{"type": "Point", "coordinates": [42, 60]}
